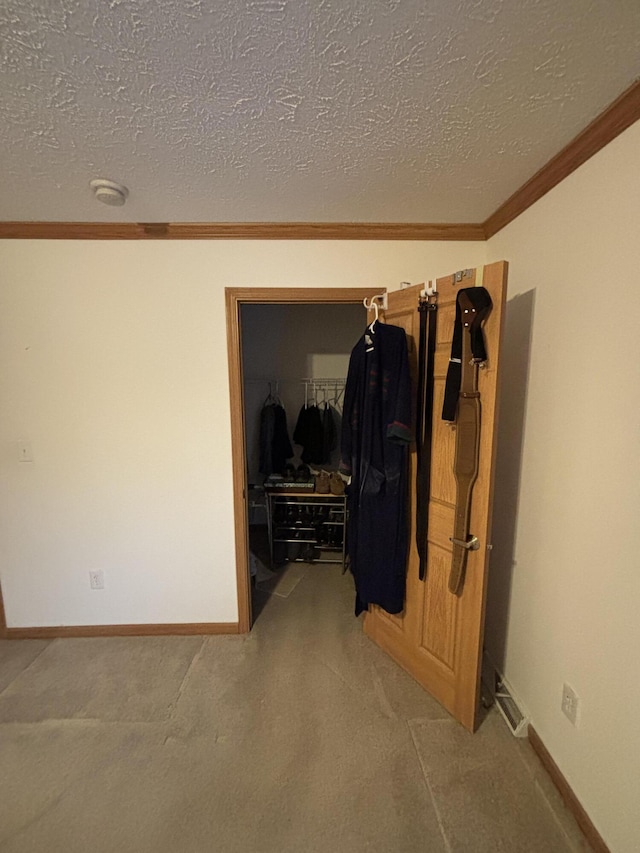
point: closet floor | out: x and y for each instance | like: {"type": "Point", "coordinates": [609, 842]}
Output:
{"type": "Point", "coordinates": [302, 736]}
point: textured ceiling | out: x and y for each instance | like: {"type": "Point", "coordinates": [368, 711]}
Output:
{"type": "Point", "coordinates": [298, 110]}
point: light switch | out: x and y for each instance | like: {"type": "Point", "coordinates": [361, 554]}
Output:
{"type": "Point", "coordinates": [25, 454]}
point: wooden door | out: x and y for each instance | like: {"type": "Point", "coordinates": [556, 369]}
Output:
{"type": "Point", "coordinates": [438, 637]}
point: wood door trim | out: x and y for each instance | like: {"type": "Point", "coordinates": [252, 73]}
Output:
{"type": "Point", "coordinates": [234, 298]}
{"type": "Point", "coordinates": [3, 619]}
{"type": "Point", "coordinates": [620, 115]}
{"type": "Point", "coordinates": [182, 629]}
{"type": "Point", "coordinates": [566, 792]}
{"type": "Point", "coordinates": [460, 231]}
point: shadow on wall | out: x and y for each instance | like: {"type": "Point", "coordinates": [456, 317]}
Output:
{"type": "Point", "coordinates": [513, 403]}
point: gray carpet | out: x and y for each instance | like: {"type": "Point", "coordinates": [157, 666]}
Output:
{"type": "Point", "coordinates": [301, 737]}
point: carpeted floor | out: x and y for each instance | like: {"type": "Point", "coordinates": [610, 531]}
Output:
{"type": "Point", "coordinates": [299, 738]}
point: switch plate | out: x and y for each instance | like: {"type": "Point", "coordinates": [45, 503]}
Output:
{"type": "Point", "coordinates": [25, 453]}
{"type": "Point", "coordinates": [570, 704]}
{"type": "Point", "coordinates": [96, 579]}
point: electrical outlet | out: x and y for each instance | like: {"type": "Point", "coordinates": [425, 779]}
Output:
{"type": "Point", "coordinates": [570, 704]}
{"type": "Point", "coordinates": [96, 579]}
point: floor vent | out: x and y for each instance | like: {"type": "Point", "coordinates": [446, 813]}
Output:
{"type": "Point", "coordinates": [516, 720]}
{"type": "Point", "coordinates": [496, 690]}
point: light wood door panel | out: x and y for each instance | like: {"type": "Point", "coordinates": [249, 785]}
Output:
{"type": "Point", "coordinates": [438, 637]}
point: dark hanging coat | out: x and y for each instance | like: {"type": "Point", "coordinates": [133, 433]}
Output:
{"type": "Point", "coordinates": [275, 447]}
{"type": "Point", "coordinates": [309, 433]}
{"type": "Point", "coordinates": [374, 451]}
{"type": "Point", "coordinates": [329, 437]}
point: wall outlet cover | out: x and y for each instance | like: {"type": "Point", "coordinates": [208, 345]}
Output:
{"type": "Point", "coordinates": [570, 704]}
{"type": "Point", "coordinates": [96, 579]}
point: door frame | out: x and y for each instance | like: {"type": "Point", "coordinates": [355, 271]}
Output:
{"type": "Point", "coordinates": [235, 297]}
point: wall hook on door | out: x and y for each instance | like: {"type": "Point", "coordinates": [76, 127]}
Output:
{"type": "Point", "coordinates": [430, 288]}
{"type": "Point", "coordinates": [371, 304]}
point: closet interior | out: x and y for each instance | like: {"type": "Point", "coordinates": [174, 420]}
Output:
{"type": "Point", "coordinates": [295, 359]}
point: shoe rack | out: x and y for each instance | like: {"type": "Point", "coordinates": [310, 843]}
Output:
{"type": "Point", "coordinates": [306, 527]}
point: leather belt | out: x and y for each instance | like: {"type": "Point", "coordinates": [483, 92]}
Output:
{"type": "Point", "coordinates": [462, 405]}
{"type": "Point", "coordinates": [424, 424]}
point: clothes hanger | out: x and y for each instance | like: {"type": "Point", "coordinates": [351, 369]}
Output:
{"type": "Point", "coordinates": [273, 399]}
{"type": "Point", "coordinates": [372, 305]}
{"type": "Point", "coordinates": [375, 308]}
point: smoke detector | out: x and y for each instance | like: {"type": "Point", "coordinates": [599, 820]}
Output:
{"type": "Point", "coordinates": [108, 192]}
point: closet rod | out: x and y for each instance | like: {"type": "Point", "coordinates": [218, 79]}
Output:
{"type": "Point", "coordinates": [327, 380]}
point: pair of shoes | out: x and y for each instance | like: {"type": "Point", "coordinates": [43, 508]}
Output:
{"type": "Point", "coordinates": [322, 483]}
{"type": "Point", "coordinates": [336, 484]}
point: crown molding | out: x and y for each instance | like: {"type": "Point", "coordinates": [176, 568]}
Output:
{"type": "Point", "coordinates": [620, 115]}
{"type": "Point", "coordinates": [240, 231]}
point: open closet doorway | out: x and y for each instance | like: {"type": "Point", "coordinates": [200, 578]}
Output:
{"type": "Point", "coordinates": [438, 636]}
{"type": "Point", "coordinates": [280, 341]}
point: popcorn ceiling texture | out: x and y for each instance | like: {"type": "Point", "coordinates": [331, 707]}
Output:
{"type": "Point", "coordinates": [315, 110]}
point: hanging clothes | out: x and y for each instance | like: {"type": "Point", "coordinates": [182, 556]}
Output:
{"type": "Point", "coordinates": [375, 436]}
{"type": "Point", "coordinates": [329, 436]}
{"type": "Point", "coordinates": [275, 447]}
{"type": "Point", "coordinates": [309, 433]}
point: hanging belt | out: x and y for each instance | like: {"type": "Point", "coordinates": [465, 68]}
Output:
{"type": "Point", "coordinates": [461, 392]}
{"type": "Point", "coordinates": [424, 424]}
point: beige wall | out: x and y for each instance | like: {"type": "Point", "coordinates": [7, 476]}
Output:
{"type": "Point", "coordinates": [565, 585]}
{"type": "Point", "coordinates": [113, 365]}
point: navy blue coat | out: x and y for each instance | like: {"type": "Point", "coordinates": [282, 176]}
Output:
{"type": "Point", "coordinates": [376, 432]}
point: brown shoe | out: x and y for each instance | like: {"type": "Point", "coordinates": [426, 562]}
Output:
{"type": "Point", "coordinates": [336, 484]}
{"type": "Point", "coordinates": [322, 483]}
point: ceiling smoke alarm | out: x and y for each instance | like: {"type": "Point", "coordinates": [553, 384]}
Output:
{"type": "Point", "coordinates": [108, 192]}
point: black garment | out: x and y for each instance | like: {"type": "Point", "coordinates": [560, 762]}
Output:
{"type": "Point", "coordinates": [375, 437]}
{"type": "Point", "coordinates": [300, 429]}
{"type": "Point", "coordinates": [275, 447]}
{"type": "Point", "coordinates": [310, 435]}
{"type": "Point", "coordinates": [329, 437]}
